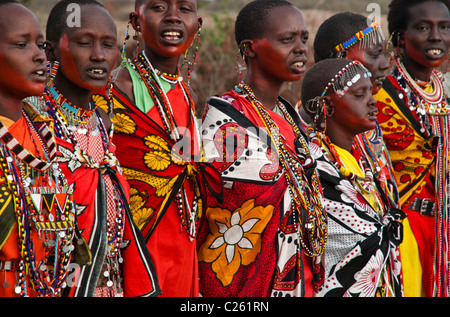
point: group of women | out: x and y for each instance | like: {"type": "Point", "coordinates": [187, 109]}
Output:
{"type": "Point", "coordinates": [110, 185]}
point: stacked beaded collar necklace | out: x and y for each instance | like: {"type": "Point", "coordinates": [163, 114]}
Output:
{"type": "Point", "coordinates": [421, 102]}
{"type": "Point", "coordinates": [306, 193]}
{"type": "Point", "coordinates": [74, 117]}
{"type": "Point", "coordinates": [43, 202]}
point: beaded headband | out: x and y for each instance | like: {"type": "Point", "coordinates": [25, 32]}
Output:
{"type": "Point", "coordinates": [346, 77]}
{"type": "Point", "coordinates": [370, 36]}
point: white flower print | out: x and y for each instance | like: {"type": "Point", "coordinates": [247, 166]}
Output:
{"type": "Point", "coordinates": [368, 278]}
{"type": "Point", "coordinates": [234, 235]}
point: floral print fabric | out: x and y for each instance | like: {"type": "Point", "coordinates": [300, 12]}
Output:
{"type": "Point", "coordinates": [362, 256]}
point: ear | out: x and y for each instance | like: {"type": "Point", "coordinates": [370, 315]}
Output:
{"type": "Point", "coordinates": [134, 20]}
{"type": "Point", "coordinates": [401, 38]}
{"type": "Point", "coordinates": [200, 22]}
{"type": "Point", "coordinates": [329, 106]}
{"type": "Point", "coordinates": [246, 48]}
{"type": "Point", "coordinates": [50, 51]}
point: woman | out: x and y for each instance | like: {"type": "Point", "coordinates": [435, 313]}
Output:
{"type": "Point", "coordinates": [264, 238]}
{"type": "Point", "coordinates": [37, 215]}
{"type": "Point", "coordinates": [361, 257]}
{"type": "Point", "coordinates": [414, 116]}
{"type": "Point", "coordinates": [158, 140]}
{"type": "Point", "coordinates": [82, 59]}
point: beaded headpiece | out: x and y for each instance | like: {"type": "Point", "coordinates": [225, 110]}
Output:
{"type": "Point", "coordinates": [370, 36]}
{"type": "Point", "coordinates": [346, 77]}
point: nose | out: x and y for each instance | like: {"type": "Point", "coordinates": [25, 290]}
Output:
{"type": "Point", "coordinates": [172, 15]}
{"type": "Point", "coordinates": [301, 47]}
{"type": "Point", "coordinates": [384, 63]}
{"type": "Point", "coordinates": [39, 55]}
{"type": "Point", "coordinates": [372, 101]}
{"type": "Point", "coordinates": [97, 52]}
{"type": "Point", "coordinates": [435, 34]}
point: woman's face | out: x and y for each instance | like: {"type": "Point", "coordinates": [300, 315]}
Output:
{"type": "Point", "coordinates": [356, 112]}
{"type": "Point", "coordinates": [374, 59]}
{"type": "Point", "coordinates": [282, 50]}
{"type": "Point", "coordinates": [168, 27]}
{"type": "Point", "coordinates": [22, 57]}
{"type": "Point", "coordinates": [87, 54]}
{"type": "Point", "coordinates": [426, 38]}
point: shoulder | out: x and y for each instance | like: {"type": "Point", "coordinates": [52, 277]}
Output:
{"type": "Point", "coordinates": [122, 80]}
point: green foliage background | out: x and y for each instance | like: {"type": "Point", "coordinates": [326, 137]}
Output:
{"type": "Point", "coordinates": [215, 70]}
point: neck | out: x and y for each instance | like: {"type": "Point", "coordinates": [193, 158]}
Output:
{"type": "Point", "coordinates": [415, 70]}
{"type": "Point", "coordinates": [265, 92]}
{"type": "Point", "coordinates": [343, 139]}
{"type": "Point", "coordinates": [76, 95]}
{"type": "Point", "coordinates": [168, 65]}
{"type": "Point", "coordinates": [10, 107]}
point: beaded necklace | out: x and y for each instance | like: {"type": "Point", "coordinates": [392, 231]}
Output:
{"type": "Point", "coordinates": [306, 193]}
{"type": "Point", "coordinates": [421, 102]}
{"type": "Point", "coordinates": [367, 183]}
{"type": "Point", "coordinates": [149, 76]}
{"type": "Point", "coordinates": [40, 207]}
{"type": "Point", "coordinates": [189, 215]}
{"type": "Point", "coordinates": [434, 116]}
{"type": "Point", "coordinates": [65, 129]}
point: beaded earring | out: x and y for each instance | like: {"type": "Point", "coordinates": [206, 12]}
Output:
{"type": "Point", "coordinates": [239, 68]}
{"type": "Point", "coordinates": [394, 53]}
{"type": "Point", "coordinates": [127, 37]}
{"type": "Point", "coordinates": [52, 70]}
{"type": "Point", "coordinates": [189, 64]}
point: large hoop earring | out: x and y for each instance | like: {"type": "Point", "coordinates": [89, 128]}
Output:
{"type": "Point", "coordinates": [191, 65]}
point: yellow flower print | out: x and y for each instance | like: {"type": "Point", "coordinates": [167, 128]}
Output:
{"type": "Point", "coordinates": [101, 102]}
{"type": "Point", "coordinates": [156, 142]}
{"type": "Point", "coordinates": [142, 216]}
{"type": "Point", "coordinates": [157, 160]}
{"type": "Point", "coordinates": [235, 238]}
{"type": "Point", "coordinates": [123, 124]}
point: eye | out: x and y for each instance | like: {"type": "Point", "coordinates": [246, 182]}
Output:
{"type": "Point", "coordinates": [158, 7]}
{"type": "Point", "coordinates": [287, 39]}
{"type": "Point", "coordinates": [186, 9]}
{"type": "Point", "coordinates": [305, 38]}
{"type": "Point", "coordinates": [84, 43]}
{"type": "Point", "coordinates": [423, 28]}
{"type": "Point", "coordinates": [20, 45]}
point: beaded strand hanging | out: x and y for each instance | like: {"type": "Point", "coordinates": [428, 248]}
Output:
{"type": "Point", "coordinates": [44, 203]}
{"type": "Point", "coordinates": [306, 193]}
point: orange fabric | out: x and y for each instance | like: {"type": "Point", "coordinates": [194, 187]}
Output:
{"type": "Point", "coordinates": [10, 250]}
